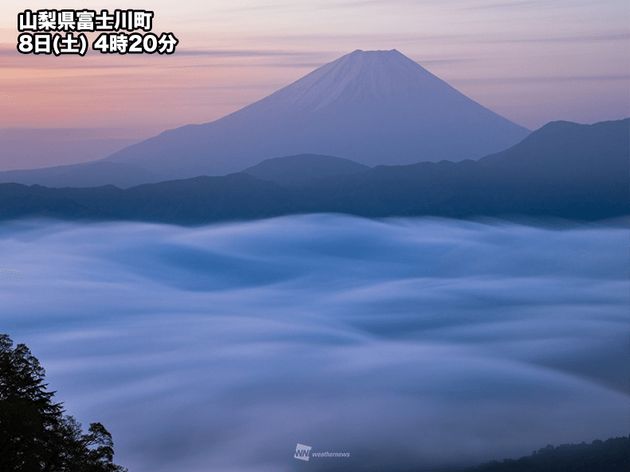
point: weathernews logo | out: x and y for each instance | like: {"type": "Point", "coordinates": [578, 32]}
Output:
{"type": "Point", "coordinates": [303, 453]}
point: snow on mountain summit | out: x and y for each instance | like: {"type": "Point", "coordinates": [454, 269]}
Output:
{"type": "Point", "coordinates": [376, 74]}
{"type": "Point", "coordinates": [360, 75]}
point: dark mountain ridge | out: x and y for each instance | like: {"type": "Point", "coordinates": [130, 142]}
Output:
{"type": "Point", "coordinates": [564, 170]}
{"type": "Point", "coordinates": [304, 169]}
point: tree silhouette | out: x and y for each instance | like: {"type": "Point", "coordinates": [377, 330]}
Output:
{"type": "Point", "coordinates": [35, 433]}
{"type": "Point", "coordinates": [611, 455]}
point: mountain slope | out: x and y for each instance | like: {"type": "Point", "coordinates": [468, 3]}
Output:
{"type": "Point", "coordinates": [375, 107]}
{"type": "Point", "coordinates": [587, 182]}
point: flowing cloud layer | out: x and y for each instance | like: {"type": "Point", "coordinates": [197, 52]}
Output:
{"type": "Point", "coordinates": [404, 342]}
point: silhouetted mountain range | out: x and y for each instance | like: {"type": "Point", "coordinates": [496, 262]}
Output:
{"type": "Point", "coordinates": [563, 170]}
{"type": "Point", "coordinates": [374, 107]}
{"type": "Point", "coordinates": [304, 169]}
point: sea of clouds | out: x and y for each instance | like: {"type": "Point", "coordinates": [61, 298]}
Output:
{"type": "Point", "coordinates": [409, 342]}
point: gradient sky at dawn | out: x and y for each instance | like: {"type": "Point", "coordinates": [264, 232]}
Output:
{"type": "Point", "coordinates": [531, 60]}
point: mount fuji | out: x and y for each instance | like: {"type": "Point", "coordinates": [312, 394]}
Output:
{"type": "Point", "coordinates": [373, 107]}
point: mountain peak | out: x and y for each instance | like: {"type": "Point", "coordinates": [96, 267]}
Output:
{"type": "Point", "coordinates": [376, 52]}
{"type": "Point", "coordinates": [373, 107]}
{"type": "Point", "coordinates": [389, 60]}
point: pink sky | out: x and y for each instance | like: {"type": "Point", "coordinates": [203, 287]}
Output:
{"type": "Point", "coordinates": [532, 61]}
